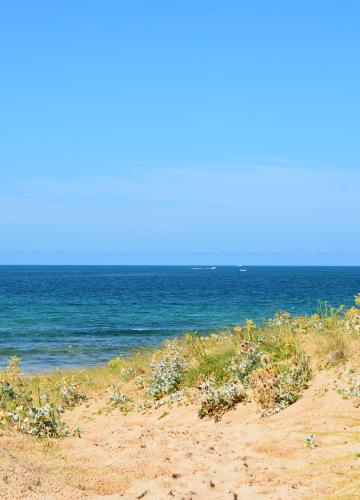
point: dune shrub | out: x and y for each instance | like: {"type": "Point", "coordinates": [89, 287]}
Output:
{"type": "Point", "coordinates": [280, 385]}
{"type": "Point", "coordinates": [215, 401]}
{"type": "Point", "coordinates": [121, 400]}
{"type": "Point", "coordinates": [352, 391]}
{"type": "Point", "coordinates": [17, 407]}
{"type": "Point", "coordinates": [70, 394]}
{"type": "Point", "coordinates": [166, 374]}
{"type": "Point", "coordinates": [248, 359]}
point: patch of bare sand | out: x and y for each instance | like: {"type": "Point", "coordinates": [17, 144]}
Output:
{"type": "Point", "coordinates": [181, 457]}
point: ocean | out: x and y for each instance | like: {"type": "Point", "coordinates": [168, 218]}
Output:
{"type": "Point", "coordinates": [69, 316]}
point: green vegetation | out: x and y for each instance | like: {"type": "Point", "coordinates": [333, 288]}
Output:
{"type": "Point", "coordinates": [310, 441]}
{"type": "Point", "coordinates": [121, 401]}
{"type": "Point", "coordinates": [217, 400]}
{"type": "Point", "coordinates": [270, 365]}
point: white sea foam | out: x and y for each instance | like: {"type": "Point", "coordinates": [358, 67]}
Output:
{"type": "Point", "coordinates": [140, 329]}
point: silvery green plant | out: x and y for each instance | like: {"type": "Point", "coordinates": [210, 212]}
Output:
{"type": "Point", "coordinates": [217, 400]}
{"type": "Point", "coordinates": [18, 409]}
{"type": "Point", "coordinates": [70, 395]}
{"type": "Point", "coordinates": [170, 400]}
{"type": "Point", "coordinates": [241, 366]}
{"type": "Point", "coordinates": [352, 391]}
{"type": "Point", "coordinates": [44, 398]}
{"type": "Point", "coordinates": [145, 405]}
{"type": "Point", "coordinates": [7, 391]}
{"type": "Point", "coordinates": [140, 382]}
{"type": "Point", "coordinates": [310, 441]}
{"type": "Point", "coordinates": [40, 422]}
{"type": "Point", "coordinates": [176, 396]}
{"type": "Point", "coordinates": [11, 399]}
{"type": "Point", "coordinates": [121, 400]}
{"type": "Point", "coordinates": [166, 374]}
{"type": "Point", "coordinates": [292, 381]}
{"type": "Point", "coordinates": [281, 318]}
{"type": "Point", "coordinates": [354, 388]}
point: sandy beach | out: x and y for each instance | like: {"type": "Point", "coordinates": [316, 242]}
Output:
{"type": "Point", "coordinates": [151, 456]}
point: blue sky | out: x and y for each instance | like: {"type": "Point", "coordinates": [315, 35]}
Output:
{"type": "Point", "coordinates": [180, 132]}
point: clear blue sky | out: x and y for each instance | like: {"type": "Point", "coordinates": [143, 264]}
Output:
{"type": "Point", "coordinates": [180, 131]}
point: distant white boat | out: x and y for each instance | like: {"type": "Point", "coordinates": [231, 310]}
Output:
{"type": "Point", "coordinates": [214, 267]}
{"type": "Point", "coordinates": [243, 270]}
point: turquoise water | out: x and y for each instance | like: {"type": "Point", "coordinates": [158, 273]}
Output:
{"type": "Point", "coordinates": [63, 316]}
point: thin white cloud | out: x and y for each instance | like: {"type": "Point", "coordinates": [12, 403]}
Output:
{"type": "Point", "coordinates": [256, 208]}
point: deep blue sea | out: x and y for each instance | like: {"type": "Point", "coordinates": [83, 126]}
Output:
{"type": "Point", "coordinates": [65, 316]}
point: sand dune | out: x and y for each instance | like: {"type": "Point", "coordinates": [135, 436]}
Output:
{"type": "Point", "coordinates": [179, 456]}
